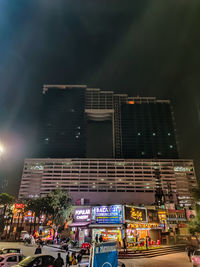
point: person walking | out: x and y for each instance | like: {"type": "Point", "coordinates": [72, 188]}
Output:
{"type": "Point", "coordinates": [124, 244]}
{"type": "Point", "coordinates": [101, 239]}
{"type": "Point", "coordinates": [68, 260]}
{"type": "Point", "coordinates": [38, 250]}
{"type": "Point", "coordinates": [97, 238]}
{"type": "Point", "coordinates": [147, 240]}
{"type": "Point", "coordinates": [189, 253]}
{"type": "Point", "coordinates": [74, 259]}
{"type": "Point", "coordinates": [59, 261]}
{"type": "Point", "coordinates": [79, 257]}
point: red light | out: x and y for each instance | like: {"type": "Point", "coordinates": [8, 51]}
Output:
{"type": "Point", "coordinates": [19, 206]}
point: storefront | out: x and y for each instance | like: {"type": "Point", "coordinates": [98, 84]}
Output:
{"type": "Point", "coordinates": [139, 231]}
{"type": "Point", "coordinates": [80, 230]}
{"type": "Point", "coordinates": [107, 222]}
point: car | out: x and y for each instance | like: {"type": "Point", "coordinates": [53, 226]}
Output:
{"type": "Point", "coordinates": [10, 259]}
{"type": "Point", "coordinates": [37, 261]}
{"type": "Point", "coordinates": [10, 250]}
{"type": "Point", "coordinates": [196, 258]}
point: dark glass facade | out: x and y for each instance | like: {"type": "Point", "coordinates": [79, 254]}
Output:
{"type": "Point", "coordinates": [147, 131]}
{"type": "Point", "coordinates": [62, 123]}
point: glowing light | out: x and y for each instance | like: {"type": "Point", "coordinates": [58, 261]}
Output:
{"type": "Point", "coordinates": [1, 149]}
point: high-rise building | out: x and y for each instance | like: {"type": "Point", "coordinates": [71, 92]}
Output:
{"type": "Point", "coordinates": [147, 130]}
{"type": "Point", "coordinates": [144, 167]}
{"type": "Point", "coordinates": [142, 127]}
{"type": "Point", "coordinates": [62, 121]}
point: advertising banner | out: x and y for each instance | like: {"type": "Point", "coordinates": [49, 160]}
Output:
{"type": "Point", "coordinates": [135, 214]}
{"type": "Point", "coordinates": [107, 214]}
{"type": "Point", "coordinates": [82, 215]}
{"type": "Point", "coordinates": [105, 255]}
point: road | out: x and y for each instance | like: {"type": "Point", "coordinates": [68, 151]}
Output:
{"type": "Point", "coordinates": [171, 260]}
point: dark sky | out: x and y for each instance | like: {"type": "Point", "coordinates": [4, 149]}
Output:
{"type": "Point", "coordinates": [146, 48]}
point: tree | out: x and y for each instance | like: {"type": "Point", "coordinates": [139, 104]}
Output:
{"type": "Point", "coordinates": [58, 206]}
{"type": "Point", "coordinates": [36, 206]}
{"type": "Point", "coordinates": [6, 201]}
{"type": "Point", "coordinates": [194, 225]}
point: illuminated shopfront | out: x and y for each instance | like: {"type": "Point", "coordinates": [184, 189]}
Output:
{"type": "Point", "coordinates": [107, 221]}
{"type": "Point", "coordinates": [142, 224]}
{"type": "Point", "coordinates": [80, 226]}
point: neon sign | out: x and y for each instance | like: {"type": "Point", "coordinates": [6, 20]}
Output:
{"type": "Point", "coordinates": [135, 214]}
{"type": "Point", "coordinates": [107, 214]}
{"type": "Point", "coordinates": [82, 215]}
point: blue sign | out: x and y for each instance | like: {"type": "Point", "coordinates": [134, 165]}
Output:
{"type": "Point", "coordinates": [107, 214]}
{"type": "Point", "coordinates": [105, 255]}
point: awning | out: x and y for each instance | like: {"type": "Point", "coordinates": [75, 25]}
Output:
{"type": "Point", "coordinates": [79, 224]}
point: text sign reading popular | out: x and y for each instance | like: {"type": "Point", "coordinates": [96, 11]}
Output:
{"type": "Point", "coordinates": [82, 215]}
{"type": "Point", "coordinates": [107, 214]}
{"type": "Point", "coordinates": [105, 255]}
{"type": "Point", "coordinates": [135, 214]}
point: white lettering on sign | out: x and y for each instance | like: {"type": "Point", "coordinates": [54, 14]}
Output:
{"type": "Point", "coordinates": [82, 217]}
{"type": "Point", "coordinates": [105, 249]}
{"type": "Point", "coordinates": [107, 209]}
{"type": "Point", "coordinates": [82, 212]}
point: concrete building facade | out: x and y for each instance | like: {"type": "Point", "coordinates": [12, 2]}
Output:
{"type": "Point", "coordinates": [110, 181]}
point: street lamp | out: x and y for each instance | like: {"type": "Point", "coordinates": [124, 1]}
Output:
{"type": "Point", "coordinates": [1, 149]}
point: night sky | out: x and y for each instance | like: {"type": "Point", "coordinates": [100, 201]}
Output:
{"type": "Point", "coordinates": [146, 48]}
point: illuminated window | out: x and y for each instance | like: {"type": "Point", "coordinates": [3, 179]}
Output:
{"type": "Point", "coordinates": [139, 134]}
{"type": "Point", "coordinates": [131, 102]}
{"type": "Point", "coordinates": [169, 134]}
{"type": "Point", "coordinates": [171, 146]}
{"type": "Point", "coordinates": [154, 134]}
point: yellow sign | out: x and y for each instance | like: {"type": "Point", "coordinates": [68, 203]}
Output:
{"type": "Point", "coordinates": [136, 215]}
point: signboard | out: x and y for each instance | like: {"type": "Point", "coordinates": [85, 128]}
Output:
{"type": "Point", "coordinates": [105, 255]}
{"type": "Point", "coordinates": [135, 214]}
{"type": "Point", "coordinates": [152, 216]}
{"type": "Point", "coordinates": [82, 215]}
{"type": "Point", "coordinates": [19, 206]}
{"type": "Point", "coordinates": [107, 214]}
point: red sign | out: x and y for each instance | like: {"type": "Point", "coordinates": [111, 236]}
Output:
{"type": "Point", "coordinates": [19, 206]}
